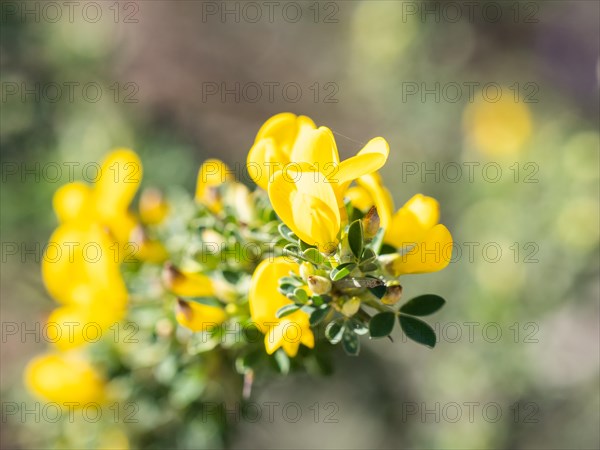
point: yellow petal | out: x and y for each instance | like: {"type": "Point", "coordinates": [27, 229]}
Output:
{"type": "Point", "coordinates": [274, 144]}
{"type": "Point", "coordinates": [359, 198]}
{"type": "Point", "coordinates": [264, 301]}
{"type": "Point", "coordinates": [199, 317]}
{"type": "Point", "coordinates": [120, 176]}
{"type": "Point", "coordinates": [264, 298]}
{"type": "Point", "coordinates": [426, 209]}
{"type": "Point", "coordinates": [72, 202]}
{"type": "Point", "coordinates": [431, 254]}
{"type": "Point", "coordinates": [306, 202]}
{"type": "Point", "coordinates": [211, 175]}
{"type": "Point", "coordinates": [63, 378]}
{"type": "Point", "coordinates": [370, 159]}
{"type": "Point", "coordinates": [283, 128]}
{"type": "Point", "coordinates": [69, 327]}
{"type": "Point", "coordinates": [380, 197]}
{"type": "Point", "coordinates": [264, 160]}
{"type": "Point", "coordinates": [413, 220]}
{"type": "Point", "coordinates": [318, 149]}
{"type": "Point", "coordinates": [79, 254]}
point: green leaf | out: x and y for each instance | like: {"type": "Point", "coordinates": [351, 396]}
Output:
{"type": "Point", "coordinates": [283, 361]}
{"type": "Point", "coordinates": [342, 271]}
{"type": "Point", "coordinates": [286, 288]}
{"type": "Point", "coordinates": [368, 256]}
{"type": "Point", "coordinates": [314, 256]}
{"type": "Point", "coordinates": [368, 267]}
{"type": "Point", "coordinates": [355, 238]}
{"type": "Point", "coordinates": [333, 332]}
{"type": "Point", "coordinates": [290, 280]}
{"type": "Point", "coordinates": [350, 342]}
{"type": "Point", "coordinates": [318, 315]}
{"type": "Point", "coordinates": [287, 234]}
{"type": "Point", "coordinates": [286, 310]}
{"type": "Point", "coordinates": [377, 241]}
{"type": "Point", "coordinates": [304, 246]}
{"type": "Point", "coordinates": [382, 324]}
{"type": "Point", "coordinates": [387, 249]}
{"type": "Point", "coordinates": [292, 249]}
{"type": "Point", "coordinates": [378, 291]}
{"type": "Point", "coordinates": [301, 295]}
{"type": "Point", "coordinates": [417, 330]}
{"type": "Point", "coordinates": [357, 326]}
{"type": "Point", "coordinates": [423, 305]}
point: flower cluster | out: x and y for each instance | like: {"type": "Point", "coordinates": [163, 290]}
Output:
{"type": "Point", "coordinates": [254, 278]}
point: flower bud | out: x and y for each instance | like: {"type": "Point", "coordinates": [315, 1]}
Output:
{"type": "Point", "coordinates": [319, 285]}
{"type": "Point", "coordinates": [186, 284]}
{"type": "Point", "coordinates": [306, 270]}
{"type": "Point", "coordinates": [393, 294]}
{"type": "Point", "coordinates": [371, 223]}
{"type": "Point", "coordinates": [351, 307]}
{"type": "Point", "coordinates": [198, 317]}
{"type": "Point", "coordinates": [147, 249]}
{"type": "Point", "coordinates": [153, 207]}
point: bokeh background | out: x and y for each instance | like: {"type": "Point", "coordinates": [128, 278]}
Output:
{"type": "Point", "coordinates": [515, 168]}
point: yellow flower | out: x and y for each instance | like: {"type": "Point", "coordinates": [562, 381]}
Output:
{"type": "Point", "coordinates": [273, 146]}
{"type": "Point", "coordinates": [306, 202]}
{"type": "Point", "coordinates": [197, 316]}
{"type": "Point", "coordinates": [187, 284]}
{"type": "Point", "coordinates": [498, 128]}
{"type": "Point", "coordinates": [264, 299]}
{"type": "Point", "coordinates": [424, 244]}
{"type": "Point", "coordinates": [64, 378]}
{"type": "Point", "coordinates": [307, 181]}
{"type": "Point", "coordinates": [211, 175]}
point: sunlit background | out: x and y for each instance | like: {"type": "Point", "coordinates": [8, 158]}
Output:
{"type": "Point", "coordinates": [497, 117]}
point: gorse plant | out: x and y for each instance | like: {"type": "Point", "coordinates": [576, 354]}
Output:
{"type": "Point", "coordinates": [165, 307]}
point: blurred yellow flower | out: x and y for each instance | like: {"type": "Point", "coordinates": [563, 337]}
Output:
{"type": "Point", "coordinates": [197, 316]}
{"type": "Point", "coordinates": [75, 325]}
{"type": "Point", "coordinates": [80, 258]}
{"type": "Point", "coordinates": [107, 202]}
{"type": "Point", "coordinates": [500, 128]}
{"type": "Point", "coordinates": [64, 378]}
{"type": "Point", "coordinates": [424, 244]}
{"type": "Point", "coordinates": [287, 332]}
{"type": "Point", "coordinates": [187, 284]}
{"type": "Point", "coordinates": [212, 174]}
{"type": "Point", "coordinates": [153, 206]}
